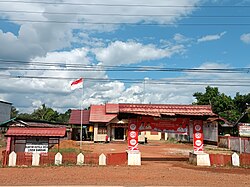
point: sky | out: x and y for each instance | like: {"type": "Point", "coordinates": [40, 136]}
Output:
{"type": "Point", "coordinates": [127, 51]}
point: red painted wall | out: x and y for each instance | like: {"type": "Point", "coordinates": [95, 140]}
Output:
{"type": "Point", "coordinates": [117, 158]}
{"type": "Point", "coordinates": [220, 160]}
{"type": "Point", "coordinates": [245, 159]}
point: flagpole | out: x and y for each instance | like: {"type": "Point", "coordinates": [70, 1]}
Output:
{"type": "Point", "coordinates": [81, 127]}
{"type": "Point", "coordinates": [81, 107]}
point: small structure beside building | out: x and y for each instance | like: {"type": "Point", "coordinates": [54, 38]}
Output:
{"type": "Point", "coordinates": [78, 118]}
{"type": "Point", "coordinates": [31, 139]}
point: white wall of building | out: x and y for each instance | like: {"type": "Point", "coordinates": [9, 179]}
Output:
{"type": "Point", "coordinates": [98, 137]}
{"type": "Point", "coordinates": [156, 136]}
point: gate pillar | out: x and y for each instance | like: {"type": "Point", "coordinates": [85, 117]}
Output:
{"type": "Point", "coordinates": [198, 157]}
{"type": "Point", "coordinates": [134, 155]}
{"type": "Point", "coordinates": [198, 136]}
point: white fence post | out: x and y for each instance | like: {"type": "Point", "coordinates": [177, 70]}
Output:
{"type": "Point", "coordinates": [58, 159]}
{"type": "Point", "coordinates": [102, 160]}
{"type": "Point", "coordinates": [80, 159]}
{"type": "Point", "coordinates": [12, 159]}
{"type": "Point", "coordinates": [35, 159]}
{"type": "Point", "coordinates": [235, 159]}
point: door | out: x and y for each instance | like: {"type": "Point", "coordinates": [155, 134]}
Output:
{"type": "Point", "coordinates": [163, 136]}
{"type": "Point", "coordinates": [119, 133]}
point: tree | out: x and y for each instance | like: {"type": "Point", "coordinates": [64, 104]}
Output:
{"type": "Point", "coordinates": [223, 105]}
{"type": "Point", "coordinates": [206, 98]}
{"type": "Point", "coordinates": [47, 114]}
{"type": "Point", "coordinates": [14, 112]}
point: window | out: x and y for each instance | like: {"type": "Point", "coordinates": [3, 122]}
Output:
{"type": "Point", "coordinates": [102, 129]}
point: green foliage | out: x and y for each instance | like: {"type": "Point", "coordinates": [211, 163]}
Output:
{"type": "Point", "coordinates": [65, 150]}
{"type": "Point", "coordinates": [46, 114]}
{"type": "Point", "coordinates": [206, 98]}
{"type": "Point", "coordinates": [14, 112]}
{"type": "Point", "coordinates": [223, 105]}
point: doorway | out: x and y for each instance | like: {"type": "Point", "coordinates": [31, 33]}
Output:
{"type": "Point", "coordinates": [119, 133]}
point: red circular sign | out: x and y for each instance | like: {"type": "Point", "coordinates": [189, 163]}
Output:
{"type": "Point", "coordinates": [132, 134]}
{"type": "Point", "coordinates": [133, 142]}
{"type": "Point", "coordinates": [132, 126]}
{"type": "Point", "coordinates": [197, 127]}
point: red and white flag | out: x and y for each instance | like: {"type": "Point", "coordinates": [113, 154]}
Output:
{"type": "Point", "coordinates": [77, 84]}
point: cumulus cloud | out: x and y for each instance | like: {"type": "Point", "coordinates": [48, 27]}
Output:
{"type": "Point", "coordinates": [245, 38]}
{"type": "Point", "coordinates": [119, 52]}
{"type": "Point", "coordinates": [55, 26]}
{"type": "Point", "coordinates": [211, 37]}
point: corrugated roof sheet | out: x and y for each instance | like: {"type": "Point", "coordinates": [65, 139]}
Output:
{"type": "Point", "coordinates": [75, 117]}
{"type": "Point", "coordinates": [165, 109]}
{"type": "Point", "coordinates": [48, 132]}
{"type": "Point", "coordinates": [98, 114]}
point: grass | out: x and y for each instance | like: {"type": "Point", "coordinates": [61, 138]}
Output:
{"type": "Point", "coordinates": [65, 150]}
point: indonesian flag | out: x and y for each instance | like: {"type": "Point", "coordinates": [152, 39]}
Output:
{"type": "Point", "coordinates": [77, 84]}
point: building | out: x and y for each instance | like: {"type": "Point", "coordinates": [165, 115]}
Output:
{"type": "Point", "coordinates": [111, 120]}
{"type": "Point", "coordinates": [33, 139]}
{"type": "Point", "coordinates": [78, 118]}
{"type": "Point", "coordinates": [5, 111]}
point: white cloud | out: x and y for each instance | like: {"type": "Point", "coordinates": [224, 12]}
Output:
{"type": "Point", "coordinates": [120, 52]}
{"type": "Point", "coordinates": [245, 38]}
{"type": "Point", "coordinates": [211, 37]}
{"type": "Point", "coordinates": [179, 38]}
{"type": "Point", "coordinates": [38, 38]}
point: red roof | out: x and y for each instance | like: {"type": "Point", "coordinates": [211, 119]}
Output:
{"type": "Point", "coordinates": [48, 132]}
{"type": "Point", "coordinates": [166, 109]}
{"type": "Point", "coordinates": [75, 117]}
{"type": "Point", "coordinates": [98, 114]}
{"type": "Point", "coordinates": [112, 108]}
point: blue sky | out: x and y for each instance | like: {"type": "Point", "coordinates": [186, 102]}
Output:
{"type": "Point", "coordinates": [51, 38]}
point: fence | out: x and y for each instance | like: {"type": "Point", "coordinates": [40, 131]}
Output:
{"type": "Point", "coordinates": [238, 144]}
{"type": "Point", "coordinates": [51, 158]}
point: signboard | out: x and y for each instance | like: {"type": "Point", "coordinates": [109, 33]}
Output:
{"type": "Point", "coordinates": [198, 136]}
{"type": "Point", "coordinates": [169, 125]}
{"type": "Point", "coordinates": [132, 135]}
{"type": "Point", "coordinates": [38, 145]}
{"type": "Point", "coordinates": [38, 148]}
{"type": "Point", "coordinates": [244, 129]}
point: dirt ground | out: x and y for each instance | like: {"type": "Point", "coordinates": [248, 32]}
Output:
{"type": "Point", "coordinates": [150, 173]}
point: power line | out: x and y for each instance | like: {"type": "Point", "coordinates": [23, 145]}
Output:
{"type": "Point", "coordinates": [123, 15]}
{"type": "Point", "coordinates": [60, 66]}
{"type": "Point", "coordinates": [136, 69]}
{"type": "Point", "coordinates": [126, 5]}
{"type": "Point", "coordinates": [139, 81]}
{"type": "Point", "coordinates": [125, 23]}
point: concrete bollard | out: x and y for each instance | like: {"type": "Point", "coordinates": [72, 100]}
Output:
{"type": "Point", "coordinates": [102, 160]}
{"type": "Point", "coordinates": [35, 159]}
{"type": "Point", "coordinates": [58, 159]}
{"type": "Point", "coordinates": [80, 159]}
{"type": "Point", "coordinates": [12, 159]}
